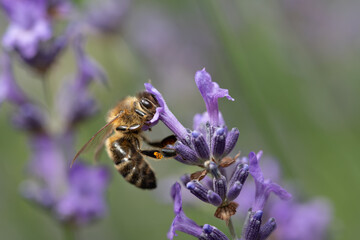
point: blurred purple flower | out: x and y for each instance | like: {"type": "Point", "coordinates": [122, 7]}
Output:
{"type": "Point", "coordinates": [294, 220]}
{"type": "Point", "coordinates": [88, 69]}
{"type": "Point", "coordinates": [29, 117]}
{"type": "Point", "coordinates": [263, 186]}
{"type": "Point", "coordinates": [48, 166]}
{"type": "Point", "coordinates": [46, 54]}
{"type": "Point", "coordinates": [184, 224]}
{"type": "Point", "coordinates": [74, 102]}
{"type": "Point", "coordinates": [302, 221]}
{"type": "Point", "coordinates": [76, 195]}
{"type": "Point", "coordinates": [29, 25]}
{"type": "Point", "coordinates": [246, 199]}
{"type": "Point", "coordinates": [30, 31]}
{"type": "Point", "coordinates": [210, 141]}
{"type": "Point", "coordinates": [9, 90]}
{"type": "Point", "coordinates": [75, 105]}
{"type": "Point", "coordinates": [84, 200]}
{"type": "Point", "coordinates": [107, 16]}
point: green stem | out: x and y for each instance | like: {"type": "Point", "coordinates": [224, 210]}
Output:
{"type": "Point", "coordinates": [46, 90]}
{"type": "Point", "coordinates": [232, 229]}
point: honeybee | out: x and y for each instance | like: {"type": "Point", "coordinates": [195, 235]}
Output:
{"type": "Point", "coordinates": [125, 121]}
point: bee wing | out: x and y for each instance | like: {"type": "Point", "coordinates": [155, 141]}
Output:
{"type": "Point", "coordinates": [97, 140]}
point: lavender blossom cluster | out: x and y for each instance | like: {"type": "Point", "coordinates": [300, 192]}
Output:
{"type": "Point", "coordinates": [74, 196]}
{"type": "Point", "coordinates": [222, 178]}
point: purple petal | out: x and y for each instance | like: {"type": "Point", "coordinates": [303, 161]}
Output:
{"type": "Point", "coordinates": [33, 191]}
{"type": "Point", "coordinates": [29, 26]}
{"type": "Point", "coordinates": [176, 196]}
{"type": "Point", "coordinates": [263, 187]}
{"type": "Point", "coordinates": [184, 224]}
{"type": "Point", "coordinates": [166, 116]}
{"type": "Point", "coordinates": [210, 92]}
{"type": "Point", "coordinates": [29, 117]}
{"type": "Point", "coordinates": [254, 168]}
{"type": "Point", "coordinates": [89, 70]}
{"type": "Point", "coordinates": [47, 54]}
{"type": "Point", "coordinates": [278, 191]}
{"type": "Point", "coordinates": [310, 220]}
{"type": "Point", "coordinates": [48, 165]}
{"type": "Point", "coordinates": [75, 104]}
{"type": "Point", "coordinates": [84, 200]}
{"type": "Point", "coordinates": [181, 222]}
{"type": "Point", "coordinates": [9, 90]}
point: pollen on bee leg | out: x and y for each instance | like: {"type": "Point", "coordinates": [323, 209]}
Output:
{"type": "Point", "coordinates": [158, 155]}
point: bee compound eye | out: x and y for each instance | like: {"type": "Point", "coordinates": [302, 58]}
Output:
{"type": "Point", "coordinates": [146, 103]}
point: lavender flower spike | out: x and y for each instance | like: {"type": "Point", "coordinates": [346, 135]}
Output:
{"type": "Point", "coordinates": [263, 186]}
{"type": "Point", "coordinates": [85, 199]}
{"type": "Point", "coordinates": [211, 91]}
{"type": "Point", "coordinates": [184, 224]}
{"type": "Point", "coordinates": [210, 139]}
{"type": "Point", "coordinates": [29, 25]}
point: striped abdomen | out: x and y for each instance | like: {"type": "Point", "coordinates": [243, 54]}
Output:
{"type": "Point", "coordinates": [131, 164]}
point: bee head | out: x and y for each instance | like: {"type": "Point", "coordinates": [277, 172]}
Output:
{"type": "Point", "coordinates": [148, 103]}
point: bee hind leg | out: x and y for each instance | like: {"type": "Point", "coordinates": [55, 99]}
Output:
{"type": "Point", "coordinates": [159, 154]}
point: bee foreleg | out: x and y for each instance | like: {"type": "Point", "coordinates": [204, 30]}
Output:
{"type": "Point", "coordinates": [170, 140]}
{"type": "Point", "coordinates": [159, 154]}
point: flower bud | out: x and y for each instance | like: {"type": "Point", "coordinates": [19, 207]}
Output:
{"type": "Point", "coordinates": [267, 229]}
{"type": "Point", "coordinates": [200, 145]}
{"type": "Point", "coordinates": [234, 191]}
{"type": "Point", "coordinates": [214, 198]}
{"type": "Point", "coordinates": [198, 190]}
{"type": "Point", "coordinates": [218, 143]}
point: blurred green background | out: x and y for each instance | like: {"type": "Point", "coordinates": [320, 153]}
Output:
{"type": "Point", "coordinates": [292, 67]}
